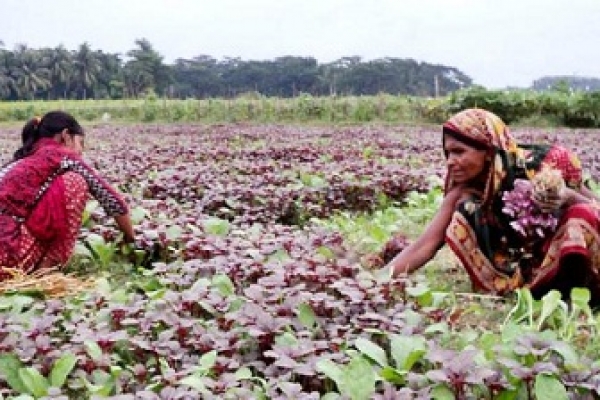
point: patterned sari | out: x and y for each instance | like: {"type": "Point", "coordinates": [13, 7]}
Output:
{"type": "Point", "coordinates": [42, 198]}
{"type": "Point", "coordinates": [495, 257]}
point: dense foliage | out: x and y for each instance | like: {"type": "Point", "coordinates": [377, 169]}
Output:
{"type": "Point", "coordinates": [517, 107]}
{"type": "Point", "coordinates": [575, 83]}
{"type": "Point", "coordinates": [300, 109]}
{"type": "Point", "coordinates": [553, 108]}
{"type": "Point", "coordinates": [57, 73]}
{"type": "Point", "coordinates": [244, 289]}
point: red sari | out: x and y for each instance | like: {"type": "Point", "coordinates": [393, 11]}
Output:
{"type": "Point", "coordinates": [42, 198]}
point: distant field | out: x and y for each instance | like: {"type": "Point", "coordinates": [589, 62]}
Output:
{"type": "Point", "coordinates": [302, 109]}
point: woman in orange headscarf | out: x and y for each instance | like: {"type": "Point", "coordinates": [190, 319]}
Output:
{"type": "Point", "coordinates": [483, 163]}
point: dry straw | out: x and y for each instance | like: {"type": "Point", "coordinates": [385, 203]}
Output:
{"type": "Point", "coordinates": [49, 282]}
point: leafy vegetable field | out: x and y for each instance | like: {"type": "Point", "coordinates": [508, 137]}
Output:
{"type": "Point", "coordinates": [251, 280]}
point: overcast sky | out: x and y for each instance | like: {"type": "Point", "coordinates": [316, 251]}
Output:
{"type": "Point", "coordinates": [497, 43]}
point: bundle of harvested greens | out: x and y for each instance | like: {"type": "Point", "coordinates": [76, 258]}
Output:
{"type": "Point", "coordinates": [548, 183]}
{"type": "Point", "coordinates": [527, 218]}
{"type": "Point", "coordinates": [47, 282]}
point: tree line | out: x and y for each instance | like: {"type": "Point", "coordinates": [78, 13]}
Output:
{"type": "Point", "coordinates": [567, 83]}
{"type": "Point", "coordinates": [58, 73]}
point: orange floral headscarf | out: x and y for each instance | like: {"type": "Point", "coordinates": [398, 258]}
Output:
{"type": "Point", "coordinates": [485, 130]}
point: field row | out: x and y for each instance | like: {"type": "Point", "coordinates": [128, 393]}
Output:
{"type": "Point", "coordinates": [239, 294]}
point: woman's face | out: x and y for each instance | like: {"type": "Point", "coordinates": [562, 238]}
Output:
{"type": "Point", "coordinates": [73, 142]}
{"type": "Point", "coordinates": [465, 163]}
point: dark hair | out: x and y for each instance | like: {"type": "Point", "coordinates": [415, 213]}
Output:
{"type": "Point", "coordinates": [463, 139]}
{"type": "Point", "coordinates": [47, 126]}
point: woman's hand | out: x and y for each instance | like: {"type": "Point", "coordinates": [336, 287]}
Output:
{"type": "Point", "coordinates": [551, 201]}
{"type": "Point", "coordinates": [393, 247]}
{"type": "Point", "coordinates": [390, 249]}
{"type": "Point", "coordinates": [125, 226]}
{"type": "Point", "coordinates": [549, 191]}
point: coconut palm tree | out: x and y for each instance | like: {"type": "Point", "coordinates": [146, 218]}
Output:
{"type": "Point", "coordinates": [145, 71]}
{"type": "Point", "coordinates": [110, 79]}
{"type": "Point", "coordinates": [59, 63]}
{"type": "Point", "coordinates": [8, 84]}
{"type": "Point", "coordinates": [86, 70]}
{"type": "Point", "coordinates": [31, 76]}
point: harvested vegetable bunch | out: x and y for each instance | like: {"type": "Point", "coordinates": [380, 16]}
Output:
{"type": "Point", "coordinates": [527, 219]}
{"type": "Point", "coordinates": [548, 184]}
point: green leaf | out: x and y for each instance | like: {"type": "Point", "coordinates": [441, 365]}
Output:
{"type": "Point", "coordinates": [35, 382]}
{"type": "Point", "coordinates": [331, 370]}
{"type": "Point", "coordinates": [101, 377]}
{"type": "Point", "coordinates": [407, 350]}
{"type": "Point", "coordinates": [312, 181]}
{"type": "Point", "coordinates": [372, 351]}
{"type": "Point", "coordinates": [195, 382]}
{"type": "Point", "coordinates": [88, 210]}
{"type": "Point", "coordinates": [103, 287]}
{"type": "Point", "coordinates": [422, 293]}
{"type": "Point", "coordinates": [138, 214]}
{"type": "Point", "coordinates": [567, 352]}
{"type": "Point", "coordinates": [173, 233]}
{"type": "Point", "coordinates": [93, 349]}
{"type": "Point", "coordinates": [16, 303]}
{"type": "Point", "coordinates": [442, 392]}
{"type": "Point", "coordinates": [223, 285]}
{"type": "Point", "coordinates": [207, 361]}
{"type": "Point", "coordinates": [61, 369]}
{"type": "Point", "coordinates": [549, 387]}
{"type": "Point", "coordinates": [326, 252]}
{"type": "Point", "coordinates": [9, 367]}
{"type": "Point", "coordinates": [438, 327]}
{"type": "Point", "coordinates": [580, 296]}
{"type": "Point", "coordinates": [243, 374]}
{"type": "Point", "coordinates": [306, 315]}
{"type": "Point", "coordinates": [550, 303]}
{"type": "Point", "coordinates": [392, 375]}
{"type": "Point", "coordinates": [164, 366]}
{"type": "Point", "coordinates": [525, 308]}
{"type": "Point", "coordinates": [359, 379]}
{"type": "Point", "coordinates": [286, 339]}
{"type": "Point", "coordinates": [216, 226]}
{"type": "Point", "coordinates": [511, 330]}
{"type": "Point", "coordinates": [487, 342]}
{"type": "Point", "coordinates": [279, 255]}
{"type": "Point", "coordinates": [200, 283]}
{"type": "Point", "coordinates": [103, 390]}
{"type": "Point", "coordinates": [330, 396]}
{"type": "Point", "coordinates": [508, 395]}
{"type": "Point", "coordinates": [378, 233]}
{"type": "Point", "coordinates": [151, 284]}
{"type": "Point", "coordinates": [115, 371]}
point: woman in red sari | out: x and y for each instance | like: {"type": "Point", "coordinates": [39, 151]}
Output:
{"type": "Point", "coordinates": [483, 163]}
{"type": "Point", "coordinates": [43, 193]}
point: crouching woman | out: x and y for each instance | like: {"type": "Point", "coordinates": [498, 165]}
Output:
{"type": "Point", "coordinates": [43, 192]}
{"type": "Point", "coordinates": [476, 219]}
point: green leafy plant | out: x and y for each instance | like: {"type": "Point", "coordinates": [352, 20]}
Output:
{"type": "Point", "coordinates": [29, 380]}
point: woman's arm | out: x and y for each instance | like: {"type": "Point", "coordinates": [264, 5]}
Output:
{"type": "Point", "coordinates": [588, 194]}
{"type": "Point", "coordinates": [112, 202]}
{"type": "Point", "coordinates": [426, 246]}
{"type": "Point", "coordinates": [577, 196]}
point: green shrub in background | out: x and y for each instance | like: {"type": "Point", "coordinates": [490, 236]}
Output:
{"type": "Point", "coordinates": [550, 108]}
{"type": "Point", "coordinates": [565, 108]}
